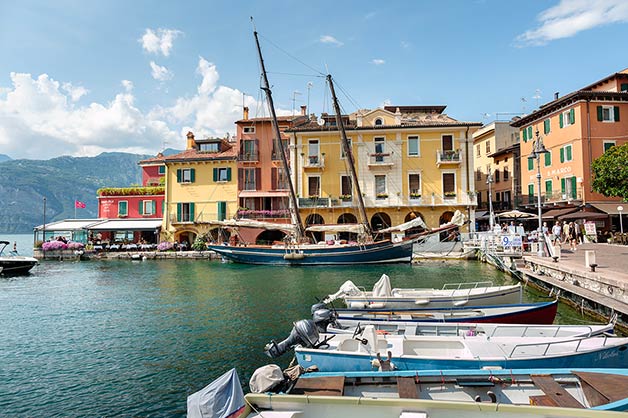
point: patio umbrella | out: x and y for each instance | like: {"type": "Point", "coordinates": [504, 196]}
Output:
{"type": "Point", "coordinates": [515, 214]}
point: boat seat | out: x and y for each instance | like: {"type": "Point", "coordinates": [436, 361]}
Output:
{"type": "Point", "coordinates": [407, 388]}
{"type": "Point", "coordinates": [602, 388]}
{"type": "Point", "coordinates": [555, 394]}
{"type": "Point", "coordinates": [320, 386]}
{"type": "Point", "coordinates": [375, 343]}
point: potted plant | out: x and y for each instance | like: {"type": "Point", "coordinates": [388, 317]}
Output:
{"type": "Point", "coordinates": [345, 197]}
{"type": "Point", "coordinates": [450, 194]}
{"type": "Point", "coordinates": [415, 195]}
{"type": "Point", "coordinates": [382, 195]}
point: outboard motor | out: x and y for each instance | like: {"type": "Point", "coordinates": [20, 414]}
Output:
{"type": "Point", "coordinates": [317, 306]}
{"type": "Point", "coordinates": [322, 318]}
{"type": "Point", "coordinates": [304, 333]}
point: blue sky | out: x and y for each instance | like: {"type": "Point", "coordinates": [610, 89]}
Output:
{"type": "Point", "coordinates": [79, 78]}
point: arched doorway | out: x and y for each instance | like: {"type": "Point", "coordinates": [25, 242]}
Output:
{"type": "Point", "coordinates": [411, 216]}
{"type": "Point", "coordinates": [444, 218]}
{"type": "Point", "coordinates": [347, 218]}
{"type": "Point", "coordinates": [270, 237]}
{"type": "Point", "coordinates": [315, 219]}
{"type": "Point", "coordinates": [379, 221]}
{"type": "Point", "coordinates": [185, 239]}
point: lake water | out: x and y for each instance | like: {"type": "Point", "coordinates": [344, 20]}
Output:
{"type": "Point", "coordinates": [127, 338]}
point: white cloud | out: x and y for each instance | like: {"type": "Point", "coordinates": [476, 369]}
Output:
{"type": "Point", "coordinates": [570, 17]}
{"type": "Point", "coordinates": [128, 85]}
{"type": "Point", "coordinates": [159, 73]}
{"type": "Point", "coordinates": [378, 61]}
{"type": "Point", "coordinates": [328, 39]}
{"type": "Point", "coordinates": [75, 92]}
{"type": "Point", "coordinates": [159, 41]}
{"type": "Point", "coordinates": [405, 44]}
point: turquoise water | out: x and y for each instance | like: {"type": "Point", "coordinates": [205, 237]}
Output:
{"type": "Point", "coordinates": [126, 338]}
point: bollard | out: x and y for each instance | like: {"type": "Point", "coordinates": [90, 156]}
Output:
{"type": "Point", "coordinates": [589, 259]}
{"type": "Point", "coordinates": [556, 256]}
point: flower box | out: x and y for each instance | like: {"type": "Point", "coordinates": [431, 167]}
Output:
{"type": "Point", "coordinates": [382, 196]}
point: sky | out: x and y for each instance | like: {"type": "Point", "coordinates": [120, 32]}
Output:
{"type": "Point", "coordinates": [84, 77]}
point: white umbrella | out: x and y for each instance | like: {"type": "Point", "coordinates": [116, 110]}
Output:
{"type": "Point", "coordinates": [515, 214]}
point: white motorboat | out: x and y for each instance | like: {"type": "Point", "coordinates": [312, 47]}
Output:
{"type": "Point", "coordinates": [11, 263]}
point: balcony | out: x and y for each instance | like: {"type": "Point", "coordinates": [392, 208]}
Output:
{"type": "Point", "coordinates": [380, 159]}
{"type": "Point", "coordinates": [450, 157]}
{"type": "Point", "coordinates": [263, 214]}
{"type": "Point", "coordinates": [560, 197]}
{"type": "Point", "coordinates": [314, 161]}
{"type": "Point", "coordinates": [314, 202]}
{"type": "Point", "coordinates": [249, 156]}
{"type": "Point", "coordinates": [276, 156]}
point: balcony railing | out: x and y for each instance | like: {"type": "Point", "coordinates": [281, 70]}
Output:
{"type": "Point", "coordinates": [263, 214]}
{"type": "Point", "coordinates": [558, 196]}
{"type": "Point", "coordinates": [448, 157]}
{"type": "Point", "coordinates": [380, 159]}
{"type": "Point", "coordinates": [251, 156]}
{"type": "Point", "coordinates": [314, 202]}
{"type": "Point", "coordinates": [314, 161]}
{"type": "Point", "coordinates": [276, 155]}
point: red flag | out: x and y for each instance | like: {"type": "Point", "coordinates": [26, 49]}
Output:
{"type": "Point", "coordinates": [79, 204]}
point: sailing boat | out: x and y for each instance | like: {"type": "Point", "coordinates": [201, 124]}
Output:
{"type": "Point", "coordinates": [295, 251]}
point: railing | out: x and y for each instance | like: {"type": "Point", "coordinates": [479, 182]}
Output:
{"type": "Point", "coordinates": [563, 197]}
{"type": "Point", "coordinates": [276, 156]}
{"type": "Point", "coordinates": [448, 157]}
{"type": "Point", "coordinates": [263, 214]}
{"type": "Point", "coordinates": [526, 328]}
{"type": "Point", "coordinates": [463, 285]}
{"type": "Point", "coordinates": [314, 202]}
{"type": "Point", "coordinates": [249, 156]}
{"type": "Point", "coordinates": [314, 161]}
{"type": "Point", "coordinates": [547, 346]}
{"type": "Point", "coordinates": [380, 158]}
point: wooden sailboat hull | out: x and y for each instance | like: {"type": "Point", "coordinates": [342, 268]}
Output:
{"type": "Point", "coordinates": [380, 252]}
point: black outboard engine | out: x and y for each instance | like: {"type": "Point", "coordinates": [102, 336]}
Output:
{"type": "Point", "coordinates": [317, 306]}
{"type": "Point", "coordinates": [304, 333]}
{"type": "Point", "coordinates": [322, 318]}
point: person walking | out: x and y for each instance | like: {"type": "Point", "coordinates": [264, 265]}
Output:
{"type": "Point", "coordinates": [557, 230]}
{"type": "Point", "coordinates": [565, 235]}
{"type": "Point", "coordinates": [573, 238]}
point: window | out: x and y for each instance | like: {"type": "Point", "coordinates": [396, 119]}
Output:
{"type": "Point", "coordinates": [624, 87]}
{"type": "Point", "coordinates": [221, 211]}
{"type": "Point", "coordinates": [380, 186]}
{"type": "Point", "coordinates": [313, 151]}
{"type": "Point", "coordinates": [342, 148]}
{"type": "Point", "coordinates": [277, 149]}
{"type": "Point", "coordinates": [222, 174]}
{"type": "Point", "coordinates": [568, 187]}
{"type": "Point", "coordinates": [248, 152]}
{"type": "Point", "coordinates": [527, 134]}
{"type": "Point", "coordinates": [279, 178]}
{"type": "Point", "coordinates": [210, 147]}
{"type": "Point", "coordinates": [146, 207]}
{"type": "Point", "coordinates": [547, 126]}
{"type": "Point", "coordinates": [608, 145]}
{"type": "Point", "coordinates": [567, 118]}
{"type": "Point", "coordinates": [247, 177]}
{"type": "Point", "coordinates": [488, 147]}
{"type": "Point", "coordinates": [565, 154]}
{"type": "Point", "coordinates": [185, 175]}
{"type": "Point", "coordinates": [379, 122]}
{"type": "Point", "coordinates": [449, 184]}
{"type": "Point", "coordinates": [608, 113]}
{"type": "Point", "coordinates": [478, 174]}
{"type": "Point", "coordinates": [548, 159]}
{"type": "Point", "coordinates": [496, 175]}
{"type": "Point", "coordinates": [478, 151]}
{"type": "Point", "coordinates": [414, 181]}
{"type": "Point", "coordinates": [161, 170]}
{"type": "Point", "coordinates": [548, 188]}
{"type": "Point", "coordinates": [248, 129]}
{"type": "Point", "coordinates": [345, 186]}
{"type": "Point", "coordinates": [123, 208]}
{"type": "Point", "coordinates": [530, 189]}
{"type": "Point", "coordinates": [448, 142]}
{"type": "Point", "coordinates": [314, 186]}
{"type": "Point", "coordinates": [185, 212]}
{"type": "Point", "coordinates": [506, 174]}
{"type": "Point", "coordinates": [380, 149]}
{"type": "Point", "coordinates": [531, 164]}
{"type": "Point", "coordinates": [413, 146]}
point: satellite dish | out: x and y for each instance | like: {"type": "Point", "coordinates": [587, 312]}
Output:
{"type": "Point", "coordinates": [320, 121]}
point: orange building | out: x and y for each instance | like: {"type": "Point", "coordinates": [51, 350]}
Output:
{"type": "Point", "coordinates": [576, 129]}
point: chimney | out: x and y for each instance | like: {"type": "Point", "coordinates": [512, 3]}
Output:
{"type": "Point", "coordinates": [246, 112]}
{"type": "Point", "coordinates": [556, 96]}
{"type": "Point", "coordinates": [303, 110]}
{"type": "Point", "coordinates": [191, 143]}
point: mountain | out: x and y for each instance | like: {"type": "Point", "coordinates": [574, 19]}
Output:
{"type": "Point", "coordinates": [62, 180]}
{"type": "Point", "coordinates": [4, 157]}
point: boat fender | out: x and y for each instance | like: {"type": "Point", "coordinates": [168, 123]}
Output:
{"type": "Point", "coordinates": [461, 302]}
{"type": "Point", "coordinates": [357, 305]}
{"type": "Point", "coordinates": [421, 301]}
{"type": "Point", "coordinates": [377, 305]}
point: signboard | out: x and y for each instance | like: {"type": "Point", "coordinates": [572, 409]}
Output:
{"type": "Point", "coordinates": [511, 241]}
{"type": "Point", "coordinates": [589, 228]}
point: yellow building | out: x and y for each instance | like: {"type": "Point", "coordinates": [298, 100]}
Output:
{"type": "Point", "coordinates": [201, 186]}
{"type": "Point", "coordinates": [410, 161]}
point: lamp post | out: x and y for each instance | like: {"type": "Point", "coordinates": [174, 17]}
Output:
{"type": "Point", "coordinates": [491, 218]}
{"type": "Point", "coordinates": [621, 223]}
{"type": "Point", "coordinates": [537, 149]}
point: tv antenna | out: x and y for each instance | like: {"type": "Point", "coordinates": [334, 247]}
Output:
{"type": "Point", "coordinates": [537, 96]}
{"type": "Point", "coordinates": [294, 99]}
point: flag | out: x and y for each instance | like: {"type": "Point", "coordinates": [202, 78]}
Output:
{"type": "Point", "coordinates": [222, 398]}
{"type": "Point", "coordinates": [79, 204]}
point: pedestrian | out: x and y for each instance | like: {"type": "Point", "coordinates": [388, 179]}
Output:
{"type": "Point", "coordinates": [578, 229]}
{"type": "Point", "coordinates": [556, 232]}
{"type": "Point", "coordinates": [545, 228]}
{"type": "Point", "coordinates": [565, 235]}
{"type": "Point", "coordinates": [573, 238]}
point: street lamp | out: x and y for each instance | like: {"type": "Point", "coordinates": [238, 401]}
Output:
{"type": "Point", "coordinates": [491, 218]}
{"type": "Point", "coordinates": [621, 223]}
{"type": "Point", "coordinates": [537, 149]}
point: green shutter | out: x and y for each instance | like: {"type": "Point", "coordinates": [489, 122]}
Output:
{"type": "Point", "coordinates": [572, 116]}
{"type": "Point", "coordinates": [548, 159]}
{"type": "Point", "coordinates": [600, 117]}
{"type": "Point", "coordinates": [179, 175]}
{"type": "Point", "coordinates": [531, 189]}
{"type": "Point", "coordinates": [546, 126]}
{"type": "Point", "coordinates": [562, 186]}
{"type": "Point", "coordinates": [215, 174]}
{"type": "Point", "coordinates": [140, 209]}
{"type": "Point", "coordinates": [530, 136]}
{"type": "Point", "coordinates": [192, 175]}
{"type": "Point", "coordinates": [178, 212]}
{"type": "Point", "coordinates": [573, 188]}
{"type": "Point", "coordinates": [562, 155]}
{"type": "Point", "coordinates": [228, 173]}
{"type": "Point", "coordinates": [525, 134]}
{"type": "Point", "coordinates": [548, 187]}
{"type": "Point", "coordinates": [154, 206]}
{"type": "Point", "coordinates": [616, 110]}
{"type": "Point", "coordinates": [530, 164]}
{"type": "Point", "coordinates": [163, 206]}
{"type": "Point", "coordinates": [192, 217]}
{"type": "Point", "coordinates": [568, 152]}
{"type": "Point", "coordinates": [560, 120]}
{"type": "Point", "coordinates": [222, 211]}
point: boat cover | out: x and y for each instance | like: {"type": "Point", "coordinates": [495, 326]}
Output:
{"type": "Point", "coordinates": [355, 228]}
{"type": "Point", "coordinates": [249, 223]}
{"type": "Point", "coordinates": [347, 289]}
{"type": "Point", "coordinates": [265, 378]}
{"type": "Point", "coordinates": [414, 223]}
{"type": "Point", "coordinates": [220, 399]}
{"type": "Point", "coordinates": [382, 287]}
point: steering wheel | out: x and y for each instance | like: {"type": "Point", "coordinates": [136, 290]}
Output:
{"type": "Point", "coordinates": [358, 330]}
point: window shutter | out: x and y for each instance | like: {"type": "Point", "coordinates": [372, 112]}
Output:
{"type": "Point", "coordinates": [599, 114]}
{"type": "Point", "coordinates": [562, 155]}
{"type": "Point", "coordinates": [154, 206]}
{"type": "Point", "coordinates": [562, 186]}
{"type": "Point", "coordinates": [546, 126]}
{"type": "Point", "coordinates": [573, 188]}
{"type": "Point", "coordinates": [548, 188]}
{"type": "Point", "coordinates": [531, 189]}
{"type": "Point", "coordinates": [228, 173]}
{"type": "Point", "coordinates": [240, 179]}
{"type": "Point", "coordinates": [215, 174]}
{"type": "Point", "coordinates": [192, 175]}
{"type": "Point", "coordinates": [530, 132]}
{"type": "Point", "coordinates": [560, 120]}
{"type": "Point", "coordinates": [572, 116]}
{"type": "Point", "coordinates": [222, 211]}
{"type": "Point", "coordinates": [178, 212]}
{"type": "Point", "coordinates": [616, 111]}
{"type": "Point", "coordinates": [624, 87]}
{"type": "Point", "coordinates": [258, 179]}
{"type": "Point", "coordinates": [273, 178]}
{"type": "Point", "coordinates": [568, 152]}
{"type": "Point", "coordinates": [530, 163]}
{"type": "Point", "coordinates": [548, 159]}
{"type": "Point", "coordinates": [178, 175]}
{"type": "Point", "coordinates": [163, 207]}
{"type": "Point", "coordinates": [192, 217]}
{"type": "Point", "coordinates": [140, 209]}
{"type": "Point", "coordinates": [525, 135]}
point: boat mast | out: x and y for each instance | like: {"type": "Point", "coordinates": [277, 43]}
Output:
{"type": "Point", "coordinates": [349, 154]}
{"type": "Point", "coordinates": [296, 217]}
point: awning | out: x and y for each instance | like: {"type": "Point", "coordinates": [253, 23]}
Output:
{"type": "Point", "coordinates": [255, 193]}
{"type": "Point", "coordinates": [481, 215]}
{"type": "Point", "coordinates": [583, 215]}
{"type": "Point", "coordinates": [610, 208]}
{"type": "Point", "coordinates": [69, 225]}
{"type": "Point", "coordinates": [555, 213]}
{"type": "Point", "coordinates": [126, 225]}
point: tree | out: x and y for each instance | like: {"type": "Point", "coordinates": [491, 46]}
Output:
{"type": "Point", "coordinates": [610, 172]}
